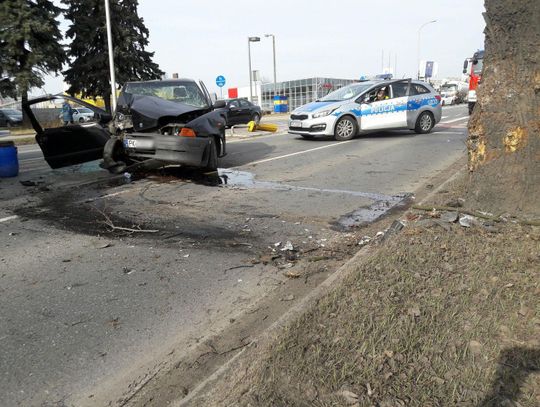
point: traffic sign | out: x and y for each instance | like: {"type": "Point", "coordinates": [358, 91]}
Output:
{"type": "Point", "coordinates": [220, 81]}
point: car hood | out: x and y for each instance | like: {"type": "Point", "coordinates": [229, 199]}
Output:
{"type": "Point", "coordinates": [150, 112]}
{"type": "Point", "coordinates": [319, 106]}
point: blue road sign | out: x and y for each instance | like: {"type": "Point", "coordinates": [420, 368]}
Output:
{"type": "Point", "coordinates": [220, 81]}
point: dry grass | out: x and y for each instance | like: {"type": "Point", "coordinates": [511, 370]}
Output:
{"type": "Point", "coordinates": [435, 318]}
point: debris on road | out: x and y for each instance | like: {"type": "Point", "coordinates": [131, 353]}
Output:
{"type": "Point", "coordinates": [288, 246]}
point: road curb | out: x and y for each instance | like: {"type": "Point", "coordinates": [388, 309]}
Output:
{"type": "Point", "coordinates": [265, 338]}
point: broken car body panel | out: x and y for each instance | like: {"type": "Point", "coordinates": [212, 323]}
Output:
{"type": "Point", "coordinates": [74, 143]}
{"type": "Point", "coordinates": [144, 127]}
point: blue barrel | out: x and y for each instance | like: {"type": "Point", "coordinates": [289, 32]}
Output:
{"type": "Point", "coordinates": [9, 164]}
{"type": "Point", "coordinates": [281, 104]}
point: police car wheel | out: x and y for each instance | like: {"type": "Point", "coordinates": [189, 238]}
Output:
{"type": "Point", "coordinates": [424, 123]}
{"type": "Point", "coordinates": [345, 129]}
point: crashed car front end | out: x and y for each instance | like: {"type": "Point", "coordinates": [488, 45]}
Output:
{"type": "Point", "coordinates": [149, 127]}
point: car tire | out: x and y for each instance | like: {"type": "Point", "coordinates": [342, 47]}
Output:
{"type": "Point", "coordinates": [424, 123]}
{"type": "Point", "coordinates": [212, 154]}
{"type": "Point", "coordinates": [9, 125]}
{"type": "Point", "coordinates": [81, 120]}
{"type": "Point", "coordinates": [256, 118]}
{"type": "Point", "coordinates": [115, 159]}
{"type": "Point", "coordinates": [346, 128]}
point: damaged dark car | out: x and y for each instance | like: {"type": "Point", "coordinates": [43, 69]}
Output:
{"type": "Point", "coordinates": [165, 121]}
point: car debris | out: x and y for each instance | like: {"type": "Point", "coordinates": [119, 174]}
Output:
{"type": "Point", "coordinates": [450, 217]}
{"type": "Point", "coordinates": [288, 246]}
{"type": "Point", "coordinates": [364, 241]}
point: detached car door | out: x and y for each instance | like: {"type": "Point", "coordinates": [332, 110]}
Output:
{"type": "Point", "coordinates": [70, 144]}
{"type": "Point", "coordinates": [390, 113]}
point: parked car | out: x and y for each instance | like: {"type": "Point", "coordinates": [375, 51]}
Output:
{"type": "Point", "coordinates": [169, 121]}
{"type": "Point", "coordinates": [241, 111]}
{"type": "Point", "coordinates": [356, 109]}
{"type": "Point", "coordinates": [82, 114]}
{"type": "Point", "coordinates": [10, 117]}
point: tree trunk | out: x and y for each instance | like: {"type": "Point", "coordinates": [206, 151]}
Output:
{"type": "Point", "coordinates": [107, 101]}
{"type": "Point", "coordinates": [504, 130]}
{"type": "Point", "coordinates": [26, 124]}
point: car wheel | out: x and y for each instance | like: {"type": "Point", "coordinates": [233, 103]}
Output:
{"type": "Point", "coordinates": [81, 120]}
{"type": "Point", "coordinates": [256, 118]}
{"type": "Point", "coordinates": [346, 129]}
{"type": "Point", "coordinates": [424, 123]}
{"type": "Point", "coordinates": [212, 161]}
{"type": "Point", "coordinates": [9, 125]}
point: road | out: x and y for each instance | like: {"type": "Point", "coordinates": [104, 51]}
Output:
{"type": "Point", "coordinates": [88, 306]}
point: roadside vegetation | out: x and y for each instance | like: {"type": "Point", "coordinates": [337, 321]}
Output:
{"type": "Point", "coordinates": [439, 315]}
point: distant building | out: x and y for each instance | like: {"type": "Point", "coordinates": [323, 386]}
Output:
{"type": "Point", "coordinates": [298, 92]}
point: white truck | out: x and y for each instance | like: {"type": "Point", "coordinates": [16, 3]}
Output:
{"type": "Point", "coordinates": [454, 92]}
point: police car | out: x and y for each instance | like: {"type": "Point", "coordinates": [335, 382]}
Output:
{"type": "Point", "coordinates": [369, 106]}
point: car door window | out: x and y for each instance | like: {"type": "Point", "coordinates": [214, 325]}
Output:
{"type": "Point", "coordinates": [244, 104]}
{"type": "Point", "coordinates": [417, 89]}
{"type": "Point", "coordinates": [399, 89]}
{"type": "Point", "coordinates": [233, 104]}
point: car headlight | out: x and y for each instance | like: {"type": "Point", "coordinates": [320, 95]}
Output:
{"type": "Point", "coordinates": [323, 113]}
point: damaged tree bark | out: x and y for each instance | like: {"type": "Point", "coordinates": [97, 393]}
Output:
{"type": "Point", "coordinates": [504, 130]}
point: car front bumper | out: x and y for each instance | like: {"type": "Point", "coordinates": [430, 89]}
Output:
{"type": "Point", "coordinates": [172, 149]}
{"type": "Point", "coordinates": [323, 126]}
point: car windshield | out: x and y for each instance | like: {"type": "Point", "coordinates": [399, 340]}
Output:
{"type": "Point", "coordinates": [12, 112]}
{"type": "Point", "coordinates": [346, 92]}
{"type": "Point", "coordinates": [181, 92]}
{"type": "Point", "coordinates": [477, 67]}
{"type": "Point", "coordinates": [84, 110]}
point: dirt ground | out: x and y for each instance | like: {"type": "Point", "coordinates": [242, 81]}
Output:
{"type": "Point", "coordinates": [438, 314]}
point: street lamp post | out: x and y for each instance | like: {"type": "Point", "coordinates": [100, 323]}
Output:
{"type": "Point", "coordinates": [274, 56]}
{"type": "Point", "coordinates": [111, 56]}
{"type": "Point", "coordinates": [418, 53]}
{"type": "Point", "coordinates": [250, 40]}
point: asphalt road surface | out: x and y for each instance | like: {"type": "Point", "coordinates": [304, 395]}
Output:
{"type": "Point", "coordinates": [87, 306]}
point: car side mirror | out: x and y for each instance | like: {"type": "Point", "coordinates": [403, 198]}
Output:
{"type": "Point", "coordinates": [220, 104]}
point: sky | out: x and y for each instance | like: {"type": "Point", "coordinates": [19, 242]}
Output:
{"type": "Point", "coordinates": [202, 39]}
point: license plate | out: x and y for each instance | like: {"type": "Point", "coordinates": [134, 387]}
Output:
{"type": "Point", "coordinates": [141, 144]}
{"type": "Point", "coordinates": [296, 123]}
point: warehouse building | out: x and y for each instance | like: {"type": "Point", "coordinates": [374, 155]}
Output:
{"type": "Point", "coordinates": [297, 92]}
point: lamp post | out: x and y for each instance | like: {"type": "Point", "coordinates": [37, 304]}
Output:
{"type": "Point", "coordinates": [250, 40]}
{"type": "Point", "coordinates": [111, 55]}
{"type": "Point", "coordinates": [418, 54]}
{"type": "Point", "coordinates": [274, 57]}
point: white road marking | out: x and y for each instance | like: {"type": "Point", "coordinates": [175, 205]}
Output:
{"type": "Point", "coordinates": [8, 218]}
{"type": "Point", "coordinates": [294, 154]}
{"type": "Point", "coordinates": [257, 138]}
{"type": "Point", "coordinates": [456, 120]}
{"type": "Point", "coordinates": [444, 117]}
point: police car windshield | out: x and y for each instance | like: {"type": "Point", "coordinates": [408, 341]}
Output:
{"type": "Point", "coordinates": [345, 93]}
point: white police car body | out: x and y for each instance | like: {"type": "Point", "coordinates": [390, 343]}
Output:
{"type": "Point", "coordinates": [355, 109]}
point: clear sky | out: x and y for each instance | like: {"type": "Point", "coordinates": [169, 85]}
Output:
{"type": "Point", "coordinates": [201, 39]}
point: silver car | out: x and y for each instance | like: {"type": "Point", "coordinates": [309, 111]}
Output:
{"type": "Point", "coordinates": [369, 106]}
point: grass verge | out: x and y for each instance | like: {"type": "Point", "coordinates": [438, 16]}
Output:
{"type": "Point", "coordinates": [440, 315]}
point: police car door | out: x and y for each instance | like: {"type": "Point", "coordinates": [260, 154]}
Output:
{"type": "Point", "coordinates": [387, 113]}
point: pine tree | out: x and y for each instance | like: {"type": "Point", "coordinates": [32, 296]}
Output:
{"type": "Point", "coordinates": [29, 45]}
{"type": "Point", "coordinates": [89, 70]}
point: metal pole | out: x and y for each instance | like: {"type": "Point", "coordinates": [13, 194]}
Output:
{"type": "Point", "coordinates": [274, 53]}
{"type": "Point", "coordinates": [249, 58]}
{"type": "Point", "coordinates": [111, 56]}
{"type": "Point", "coordinates": [418, 49]}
